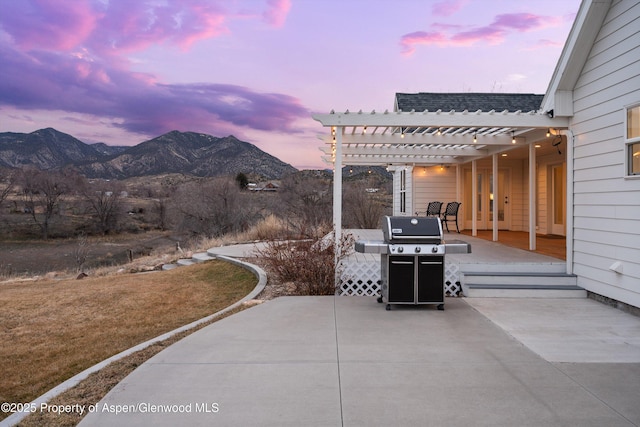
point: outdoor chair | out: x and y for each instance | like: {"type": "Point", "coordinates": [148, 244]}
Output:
{"type": "Point", "coordinates": [451, 213]}
{"type": "Point", "coordinates": [433, 209]}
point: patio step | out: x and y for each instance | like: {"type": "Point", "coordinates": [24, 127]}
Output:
{"type": "Point", "coordinates": [201, 257]}
{"type": "Point", "coordinates": [513, 267]}
{"type": "Point", "coordinates": [520, 285]}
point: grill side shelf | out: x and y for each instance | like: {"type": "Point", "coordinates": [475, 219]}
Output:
{"type": "Point", "coordinates": [370, 247]}
{"type": "Point", "coordinates": [457, 247]}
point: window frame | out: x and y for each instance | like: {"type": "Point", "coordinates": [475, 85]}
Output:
{"type": "Point", "coordinates": [403, 190]}
{"type": "Point", "coordinates": [629, 143]}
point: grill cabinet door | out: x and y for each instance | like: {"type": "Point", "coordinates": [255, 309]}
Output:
{"type": "Point", "coordinates": [431, 279]}
{"type": "Point", "coordinates": [401, 279]}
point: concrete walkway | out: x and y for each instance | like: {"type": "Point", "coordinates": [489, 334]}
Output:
{"type": "Point", "coordinates": [345, 361]}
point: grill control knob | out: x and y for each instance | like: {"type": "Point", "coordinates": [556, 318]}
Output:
{"type": "Point", "coordinates": [418, 249]}
{"type": "Point", "coordinates": [434, 249]}
{"type": "Point", "coordinates": [400, 249]}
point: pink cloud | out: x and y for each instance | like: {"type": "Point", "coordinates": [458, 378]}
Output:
{"type": "Point", "coordinates": [411, 40]}
{"type": "Point", "coordinates": [69, 59]}
{"type": "Point", "coordinates": [111, 27]}
{"type": "Point", "coordinates": [544, 44]}
{"type": "Point", "coordinates": [495, 33]}
{"type": "Point", "coordinates": [277, 13]}
{"type": "Point", "coordinates": [48, 24]}
{"type": "Point", "coordinates": [447, 7]}
{"type": "Point", "coordinates": [134, 25]}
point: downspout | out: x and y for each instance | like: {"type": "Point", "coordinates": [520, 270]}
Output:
{"type": "Point", "coordinates": [568, 133]}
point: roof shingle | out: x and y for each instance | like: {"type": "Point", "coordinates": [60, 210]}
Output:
{"type": "Point", "coordinates": [468, 101]}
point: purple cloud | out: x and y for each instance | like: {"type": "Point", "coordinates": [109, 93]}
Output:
{"type": "Point", "coordinates": [277, 12]}
{"type": "Point", "coordinates": [63, 55]}
{"type": "Point", "coordinates": [134, 25]}
{"type": "Point", "coordinates": [447, 7]}
{"type": "Point", "coordinates": [62, 82]}
{"type": "Point", "coordinates": [544, 44]}
{"type": "Point", "coordinates": [495, 33]}
{"type": "Point", "coordinates": [55, 24]}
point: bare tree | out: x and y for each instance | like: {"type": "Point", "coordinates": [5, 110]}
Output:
{"type": "Point", "coordinates": [43, 191]}
{"type": "Point", "coordinates": [104, 202]}
{"type": "Point", "coordinates": [212, 207]}
{"type": "Point", "coordinates": [7, 182]}
{"type": "Point", "coordinates": [307, 201]}
{"type": "Point", "coordinates": [363, 205]}
{"type": "Point", "coordinates": [160, 208]}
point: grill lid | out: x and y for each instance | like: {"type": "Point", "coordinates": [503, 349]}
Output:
{"type": "Point", "coordinates": [399, 229]}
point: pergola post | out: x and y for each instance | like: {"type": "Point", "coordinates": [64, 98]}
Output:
{"type": "Point", "coordinates": [337, 198]}
{"type": "Point", "coordinates": [494, 202]}
{"type": "Point", "coordinates": [474, 198]}
{"type": "Point", "coordinates": [532, 197]}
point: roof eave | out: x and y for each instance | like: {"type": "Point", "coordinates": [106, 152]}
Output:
{"type": "Point", "coordinates": [559, 95]}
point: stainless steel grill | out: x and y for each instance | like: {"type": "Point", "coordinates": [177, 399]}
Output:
{"type": "Point", "coordinates": [412, 260]}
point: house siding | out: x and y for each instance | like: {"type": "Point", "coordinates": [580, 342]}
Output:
{"type": "Point", "coordinates": [606, 205]}
{"type": "Point", "coordinates": [431, 183]}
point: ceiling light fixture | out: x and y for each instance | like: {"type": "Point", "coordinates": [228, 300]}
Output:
{"type": "Point", "coordinates": [513, 137]}
{"type": "Point", "coordinates": [475, 138]}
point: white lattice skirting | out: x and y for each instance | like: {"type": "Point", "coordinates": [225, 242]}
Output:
{"type": "Point", "coordinates": [363, 279]}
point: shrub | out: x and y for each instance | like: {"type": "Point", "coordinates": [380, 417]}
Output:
{"type": "Point", "coordinates": [309, 264]}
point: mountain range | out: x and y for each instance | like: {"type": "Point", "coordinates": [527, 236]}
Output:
{"type": "Point", "coordinates": [191, 153]}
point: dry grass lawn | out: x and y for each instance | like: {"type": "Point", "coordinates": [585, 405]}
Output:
{"type": "Point", "coordinates": [52, 330]}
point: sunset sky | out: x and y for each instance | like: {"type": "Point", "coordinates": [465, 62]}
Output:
{"type": "Point", "coordinates": [124, 71]}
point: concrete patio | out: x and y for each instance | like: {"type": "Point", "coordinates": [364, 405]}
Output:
{"type": "Point", "coordinates": [345, 361]}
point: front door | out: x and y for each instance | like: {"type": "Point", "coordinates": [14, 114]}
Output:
{"type": "Point", "coordinates": [558, 199]}
{"type": "Point", "coordinates": [487, 200]}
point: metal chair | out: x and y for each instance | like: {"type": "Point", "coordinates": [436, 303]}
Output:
{"type": "Point", "coordinates": [451, 213]}
{"type": "Point", "coordinates": [433, 209]}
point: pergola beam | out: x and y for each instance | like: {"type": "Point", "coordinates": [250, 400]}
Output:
{"type": "Point", "coordinates": [422, 139]}
{"type": "Point", "coordinates": [415, 150]}
{"type": "Point", "coordinates": [364, 160]}
{"type": "Point", "coordinates": [445, 120]}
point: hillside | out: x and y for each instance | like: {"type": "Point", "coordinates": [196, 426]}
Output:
{"type": "Point", "coordinates": [175, 152]}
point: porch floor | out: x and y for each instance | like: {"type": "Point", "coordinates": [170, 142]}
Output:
{"type": "Point", "coordinates": [483, 249]}
{"type": "Point", "coordinates": [362, 271]}
{"type": "Point", "coordinates": [551, 245]}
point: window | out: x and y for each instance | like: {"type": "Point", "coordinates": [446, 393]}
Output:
{"type": "Point", "coordinates": [632, 138]}
{"type": "Point", "coordinates": [403, 191]}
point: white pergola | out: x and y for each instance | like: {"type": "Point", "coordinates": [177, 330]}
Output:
{"type": "Point", "coordinates": [437, 138]}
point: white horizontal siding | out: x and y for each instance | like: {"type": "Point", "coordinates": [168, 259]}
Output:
{"type": "Point", "coordinates": [606, 205]}
{"type": "Point", "coordinates": [589, 248]}
{"type": "Point", "coordinates": [599, 267]}
{"type": "Point", "coordinates": [617, 186]}
{"type": "Point", "coordinates": [607, 211]}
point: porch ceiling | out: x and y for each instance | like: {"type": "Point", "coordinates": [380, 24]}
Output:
{"type": "Point", "coordinates": [431, 137]}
